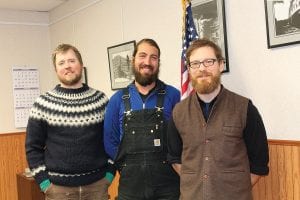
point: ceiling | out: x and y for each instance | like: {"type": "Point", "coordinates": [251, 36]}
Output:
{"type": "Point", "coordinates": [30, 5]}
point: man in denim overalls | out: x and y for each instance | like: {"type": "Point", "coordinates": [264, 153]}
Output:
{"type": "Point", "coordinates": [135, 130]}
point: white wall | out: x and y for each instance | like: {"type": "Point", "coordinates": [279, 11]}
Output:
{"type": "Point", "coordinates": [24, 40]}
{"type": "Point", "coordinates": [95, 25]}
{"type": "Point", "coordinates": [267, 76]}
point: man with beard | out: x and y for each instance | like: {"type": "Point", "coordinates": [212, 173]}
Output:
{"type": "Point", "coordinates": [216, 139]}
{"type": "Point", "coordinates": [135, 130]}
{"type": "Point", "coordinates": [64, 139]}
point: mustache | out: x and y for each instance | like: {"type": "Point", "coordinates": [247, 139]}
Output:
{"type": "Point", "coordinates": [146, 66]}
{"type": "Point", "coordinates": [203, 74]}
{"type": "Point", "coordinates": [68, 71]}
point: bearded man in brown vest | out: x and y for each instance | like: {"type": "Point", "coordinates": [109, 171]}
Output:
{"type": "Point", "coordinates": [216, 139]}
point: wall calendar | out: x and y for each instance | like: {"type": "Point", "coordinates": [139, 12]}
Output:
{"type": "Point", "coordinates": [25, 90]}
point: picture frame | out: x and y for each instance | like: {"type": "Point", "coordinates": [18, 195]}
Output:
{"type": "Point", "coordinates": [210, 22]}
{"type": "Point", "coordinates": [119, 58]}
{"type": "Point", "coordinates": [282, 22]}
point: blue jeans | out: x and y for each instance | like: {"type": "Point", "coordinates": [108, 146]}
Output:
{"type": "Point", "coordinates": [94, 191]}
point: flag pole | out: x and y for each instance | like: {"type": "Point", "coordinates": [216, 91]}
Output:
{"type": "Point", "coordinates": [183, 3]}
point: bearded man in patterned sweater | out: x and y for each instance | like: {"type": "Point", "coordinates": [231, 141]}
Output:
{"type": "Point", "coordinates": [64, 140]}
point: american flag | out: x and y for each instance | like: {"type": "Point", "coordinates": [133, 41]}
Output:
{"type": "Point", "coordinates": [189, 34]}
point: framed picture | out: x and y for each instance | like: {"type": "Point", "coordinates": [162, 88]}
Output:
{"type": "Point", "coordinates": [119, 57]}
{"type": "Point", "coordinates": [209, 20]}
{"type": "Point", "coordinates": [84, 75]}
{"type": "Point", "coordinates": [283, 22]}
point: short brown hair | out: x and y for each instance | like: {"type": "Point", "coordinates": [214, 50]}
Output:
{"type": "Point", "coordinates": [149, 41]}
{"type": "Point", "coordinates": [62, 48]}
{"type": "Point", "coordinates": [196, 44]}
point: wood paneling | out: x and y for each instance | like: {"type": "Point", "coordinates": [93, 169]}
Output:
{"type": "Point", "coordinates": [283, 182]}
{"type": "Point", "coordinates": [12, 161]}
{"type": "Point", "coordinates": [28, 189]}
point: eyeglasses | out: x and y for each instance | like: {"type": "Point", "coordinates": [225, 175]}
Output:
{"type": "Point", "coordinates": [206, 63]}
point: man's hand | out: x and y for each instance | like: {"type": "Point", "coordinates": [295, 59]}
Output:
{"type": "Point", "coordinates": [254, 179]}
{"type": "Point", "coordinates": [177, 168]}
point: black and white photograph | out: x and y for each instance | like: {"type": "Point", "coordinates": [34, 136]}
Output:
{"type": "Point", "coordinates": [119, 57]}
{"type": "Point", "coordinates": [283, 22]}
{"type": "Point", "coordinates": [209, 20]}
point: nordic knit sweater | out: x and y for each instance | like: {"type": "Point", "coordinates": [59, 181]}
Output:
{"type": "Point", "coordinates": [64, 140]}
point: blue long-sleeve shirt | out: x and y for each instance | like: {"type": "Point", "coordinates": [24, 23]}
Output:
{"type": "Point", "coordinates": [113, 120]}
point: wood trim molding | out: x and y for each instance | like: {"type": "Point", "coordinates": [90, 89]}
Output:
{"type": "Point", "coordinates": [12, 134]}
{"type": "Point", "coordinates": [284, 142]}
{"type": "Point", "coordinates": [270, 141]}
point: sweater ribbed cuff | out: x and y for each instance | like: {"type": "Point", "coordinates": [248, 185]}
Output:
{"type": "Point", "coordinates": [109, 176]}
{"type": "Point", "coordinates": [45, 184]}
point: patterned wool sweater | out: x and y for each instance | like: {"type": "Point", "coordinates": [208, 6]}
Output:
{"type": "Point", "coordinates": [64, 140]}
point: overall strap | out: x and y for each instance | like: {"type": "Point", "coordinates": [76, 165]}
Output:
{"type": "Point", "coordinates": [160, 98]}
{"type": "Point", "coordinates": [126, 100]}
{"type": "Point", "coordinates": [159, 104]}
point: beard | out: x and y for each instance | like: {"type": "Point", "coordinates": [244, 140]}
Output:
{"type": "Point", "coordinates": [145, 79]}
{"type": "Point", "coordinates": [70, 80]}
{"type": "Point", "coordinates": [206, 86]}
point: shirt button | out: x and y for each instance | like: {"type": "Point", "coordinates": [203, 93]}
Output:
{"type": "Point", "coordinates": [205, 176]}
{"type": "Point", "coordinates": [207, 141]}
{"type": "Point", "coordinates": [206, 158]}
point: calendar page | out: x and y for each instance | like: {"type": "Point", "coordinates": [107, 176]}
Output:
{"type": "Point", "coordinates": [26, 90]}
